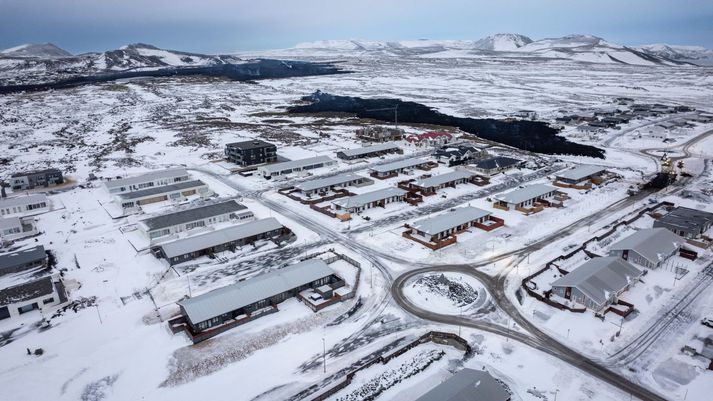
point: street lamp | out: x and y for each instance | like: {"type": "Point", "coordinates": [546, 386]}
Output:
{"type": "Point", "coordinates": [324, 355]}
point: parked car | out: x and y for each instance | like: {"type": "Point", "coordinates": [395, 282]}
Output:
{"type": "Point", "coordinates": [707, 322]}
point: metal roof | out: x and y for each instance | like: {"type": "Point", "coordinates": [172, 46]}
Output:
{"type": "Point", "coordinates": [373, 196]}
{"type": "Point", "coordinates": [401, 164]}
{"type": "Point", "coordinates": [468, 385]}
{"type": "Point", "coordinates": [522, 194]}
{"type": "Point", "coordinates": [446, 221]}
{"type": "Point", "coordinates": [581, 172]}
{"type": "Point", "coordinates": [441, 179]}
{"type": "Point", "coordinates": [263, 286]}
{"type": "Point", "coordinates": [17, 258]}
{"type": "Point", "coordinates": [166, 189]}
{"type": "Point", "coordinates": [496, 162]}
{"type": "Point", "coordinates": [655, 244]}
{"type": "Point", "coordinates": [23, 200]}
{"type": "Point", "coordinates": [10, 222]}
{"type": "Point", "coordinates": [26, 291]}
{"type": "Point", "coordinates": [147, 177]}
{"type": "Point", "coordinates": [599, 278]}
{"type": "Point", "coordinates": [194, 214]}
{"type": "Point", "coordinates": [292, 164]}
{"type": "Point", "coordinates": [327, 182]}
{"type": "Point", "coordinates": [369, 149]}
{"type": "Point", "coordinates": [219, 237]}
{"type": "Point", "coordinates": [687, 219]}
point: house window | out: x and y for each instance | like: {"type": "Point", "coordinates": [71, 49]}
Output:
{"type": "Point", "coordinates": [48, 300]}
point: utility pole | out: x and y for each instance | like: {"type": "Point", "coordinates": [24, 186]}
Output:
{"type": "Point", "coordinates": [372, 275]}
{"type": "Point", "coordinates": [99, 314]}
{"type": "Point", "coordinates": [324, 355]}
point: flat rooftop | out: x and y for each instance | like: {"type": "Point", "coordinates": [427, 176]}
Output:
{"type": "Point", "coordinates": [252, 144]}
{"type": "Point", "coordinates": [34, 172]}
{"type": "Point", "coordinates": [146, 177]}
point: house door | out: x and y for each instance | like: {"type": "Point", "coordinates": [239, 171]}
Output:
{"type": "Point", "coordinates": [568, 293]}
{"type": "Point", "coordinates": [625, 254]}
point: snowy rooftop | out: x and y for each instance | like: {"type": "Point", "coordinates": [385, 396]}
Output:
{"type": "Point", "coordinates": [597, 278]}
{"type": "Point", "coordinates": [179, 186]}
{"type": "Point", "coordinates": [243, 293]}
{"type": "Point", "coordinates": [581, 172]}
{"type": "Point", "coordinates": [370, 149]}
{"type": "Point", "coordinates": [496, 162]}
{"type": "Point", "coordinates": [441, 179]}
{"type": "Point", "coordinates": [194, 214]}
{"type": "Point", "coordinates": [654, 244]}
{"type": "Point", "coordinates": [327, 182]}
{"type": "Point", "coordinates": [373, 196]}
{"type": "Point", "coordinates": [688, 219]}
{"type": "Point", "coordinates": [150, 176]}
{"type": "Point", "coordinates": [468, 385]}
{"type": "Point", "coordinates": [408, 163]}
{"type": "Point", "coordinates": [17, 258]}
{"type": "Point", "coordinates": [10, 222]}
{"type": "Point", "coordinates": [522, 194]}
{"type": "Point", "coordinates": [218, 237]}
{"type": "Point", "coordinates": [21, 292]}
{"type": "Point", "coordinates": [301, 163]}
{"type": "Point", "coordinates": [454, 218]}
{"type": "Point", "coordinates": [23, 200]}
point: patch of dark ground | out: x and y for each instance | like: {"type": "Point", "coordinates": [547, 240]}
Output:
{"type": "Point", "coordinates": [340, 319]}
{"type": "Point", "coordinates": [531, 136]}
{"type": "Point", "coordinates": [97, 390]}
{"type": "Point", "coordinates": [460, 293]}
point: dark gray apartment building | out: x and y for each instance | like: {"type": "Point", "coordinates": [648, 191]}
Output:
{"type": "Point", "coordinates": [250, 153]}
{"type": "Point", "coordinates": [34, 179]}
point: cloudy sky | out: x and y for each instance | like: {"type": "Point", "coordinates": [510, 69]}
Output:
{"type": "Point", "coordinates": [234, 25]}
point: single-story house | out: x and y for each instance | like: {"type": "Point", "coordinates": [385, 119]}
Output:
{"type": "Point", "coordinates": [580, 175]}
{"type": "Point", "coordinates": [455, 155]}
{"type": "Point", "coordinates": [220, 240]}
{"type": "Point", "coordinates": [468, 385]}
{"type": "Point", "coordinates": [496, 164]}
{"type": "Point", "coordinates": [35, 179]}
{"type": "Point", "coordinates": [649, 247]}
{"type": "Point", "coordinates": [395, 168]}
{"type": "Point", "coordinates": [244, 299]}
{"type": "Point", "coordinates": [598, 282]}
{"type": "Point", "coordinates": [368, 200]}
{"type": "Point", "coordinates": [320, 185]}
{"type": "Point", "coordinates": [24, 205]}
{"type": "Point", "coordinates": [429, 186]}
{"type": "Point", "coordinates": [162, 226]}
{"type": "Point", "coordinates": [526, 197]}
{"type": "Point", "coordinates": [432, 138]}
{"type": "Point", "coordinates": [22, 260]}
{"type": "Point", "coordinates": [277, 169]}
{"type": "Point", "coordinates": [439, 231]}
{"type": "Point", "coordinates": [369, 151]}
{"type": "Point", "coordinates": [686, 222]}
{"type": "Point", "coordinates": [38, 294]}
{"type": "Point", "coordinates": [12, 228]}
{"type": "Point", "coordinates": [151, 179]}
{"type": "Point", "coordinates": [174, 192]}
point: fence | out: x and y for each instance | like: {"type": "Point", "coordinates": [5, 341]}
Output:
{"type": "Point", "coordinates": [339, 256]}
{"type": "Point", "coordinates": [432, 336]}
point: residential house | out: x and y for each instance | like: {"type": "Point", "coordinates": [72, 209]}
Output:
{"type": "Point", "coordinates": [430, 138]}
{"type": "Point", "coordinates": [496, 164]}
{"type": "Point", "coordinates": [459, 154]}
{"type": "Point", "coordinates": [368, 200]}
{"type": "Point", "coordinates": [13, 228]}
{"type": "Point", "coordinates": [379, 134]}
{"type": "Point", "coordinates": [430, 185]}
{"type": "Point", "coordinates": [598, 282]}
{"type": "Point", "coordinates": [369, 151]}
{"type": "Point", "coordinates": [528, 197]}
{"type": "Point", "coordinates": [38, 294]}
{"type": "Point", "coordinates": [649, 247]}
{"type": "Point", "coordinates": [439, 231]}
{"type": "Point", "coordinates": [250, 153]}
{"type": "Point", "coordinates": [309, 188]}
{"type": "Point", "coordinates": [686, 222]}
{"type": "Point", "coordinates": [173, 192]}
{"type": "Point", "coordinates": [279, 169]}
{"type": "Point", "coordinates": [468, 385]}
{"type": "Point", "coordinates": [24, 205]}
{"type": "Point", "coordinates": [580, 176]}
{"type": "Point", "coordinates": [393, 169]}
{"type": "Point", "coordinates": [22, 260]}
{"type": "Point", "coordinates": [35, 179]}
{"type": "Point", "coordinates": [151, 179]}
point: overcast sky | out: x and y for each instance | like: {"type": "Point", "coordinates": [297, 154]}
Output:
{"type": "Point", "coordinates": [214, 26]}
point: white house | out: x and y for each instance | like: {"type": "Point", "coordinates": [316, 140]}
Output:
{"type": "Point", "coordinates": [38, 294]}
{"type": "Point", "coordinates": [147, 180]}
{"type": "Point", "coordinates": [24, 205]}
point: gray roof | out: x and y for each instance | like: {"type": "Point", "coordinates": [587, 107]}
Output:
{"type": "Point", "coordinates": [441, 179]}
{"type": "Point", "coordinates": [655, 244]}
{"type": "Point", "coordinates": [26, 291]}
{"type": "Point", "coordinates": [194, 214]}
{"type": "Point", "coordinates": [522, 194]}
{"type": "Point", "coordinates": [454, 218]}
{"type": "Point", "coordinates": [581, 172]}
{"type": "Point", "coordinates": [23, 200]}
{"type": "Point", "coordinates": [370, 149]}
{"type": "Point", "coordinates": [251, 144]}
{"type": "Point", "coordinates": [368, 197]}
{"type": "Point", "coordinates": [687, 219]}
{"type": "Point", "coordinates": [401, 164]}
{"type": "Point", "coordinates": [10, 222]}
{"type": "Point", "coordinates": [243, 293]}
{"type": "Point", "coordinates": [166, 189]}
{"type": "Point", "coordinates": [16, 258]}
{"type": "Point", "coordinates": [327, 182]}
{"type": "Point", "coordinates": [146, 177]}
{"type": "Point", "coordinates": [496, 162]}
{"type": "Point", "coordinates": [468, 385]}
{"type": "Point", "coordinates": [301, 163]}
{"type": "Point", "coordinates": [36, 172]}
{"type": "Point", "coordinates": [599, 278]}
{"type": "Point", "coordinates": [219, 237]}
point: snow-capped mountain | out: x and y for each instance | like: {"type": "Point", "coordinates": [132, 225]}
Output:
{"type": "Point", "coordinates": [18, 70]}
{"type": "Point", "coordinates": [40, 50]}
{"type": "Point", "coordinates": [502, 42]}
{"type": "Point", "coordinates": [694, 54]}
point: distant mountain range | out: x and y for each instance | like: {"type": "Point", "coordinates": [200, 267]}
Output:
{"type": "Point", "coordinates": [32, 63]}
